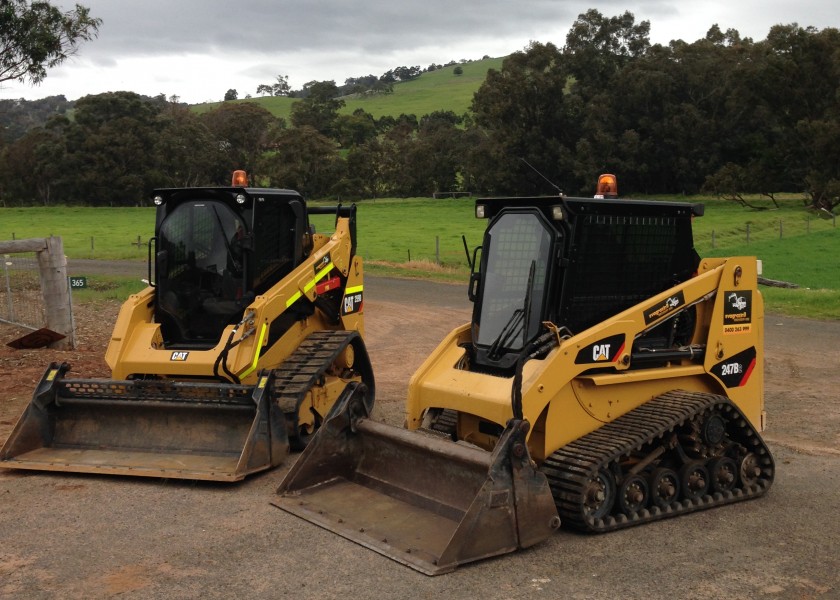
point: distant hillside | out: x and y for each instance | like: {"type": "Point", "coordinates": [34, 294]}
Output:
{"type": "Point", "coordinates": [434, 90]}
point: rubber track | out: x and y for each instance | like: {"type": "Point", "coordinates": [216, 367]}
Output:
{"type": "Point", "coordinates": [571, 467]}
{"type": "Point", "coordinates": [445, 425]}
{"type": "Point", "coordinates": [301, 371]}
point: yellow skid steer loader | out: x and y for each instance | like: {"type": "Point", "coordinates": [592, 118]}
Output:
{"type": "Point", "coordinates": [608, 377]}
{"type": "Point", "coordinates": [249, 331]}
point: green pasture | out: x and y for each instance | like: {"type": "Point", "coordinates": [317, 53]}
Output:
{"type": "Point", "coordinates": [794, 244]}
{"type": "Point", "coordinates": [435, 90]}
{"type": "Point", "coordinates": [103, 233]}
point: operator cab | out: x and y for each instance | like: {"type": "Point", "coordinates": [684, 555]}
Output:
{"type": "Point", "coordinates": [573, 262]}
{"type": "Point", "coordinates": [216, 250]}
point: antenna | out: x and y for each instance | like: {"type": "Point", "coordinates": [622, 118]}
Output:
{"type": "Point", "coordinates": [551, 183]}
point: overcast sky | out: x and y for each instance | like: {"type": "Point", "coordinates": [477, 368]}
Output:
{"type": "Point", "coordinates": [198, 49]}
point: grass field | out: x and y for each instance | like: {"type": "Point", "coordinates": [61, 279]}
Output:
{"type": "Point", "coordinates": [435, 90]}
{"type": "Point", "coordinates": [804, 252]}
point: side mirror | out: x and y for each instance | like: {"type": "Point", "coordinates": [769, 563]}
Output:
{"type": "Point", "coordinates": [472, 291]}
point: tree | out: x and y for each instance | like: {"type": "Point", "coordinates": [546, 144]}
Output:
{"type": "Point", "coordinates": [231, 94]}
{"type": "Point", "coordinates": [459, 70]}
{"type": "Point", "coordinates": [110, 157]}
{"type": "Point", "coordinates": [37, 36]}
{"type": "Point", "coordinates": [281, 86]}
{"type": "Point", "coordinates": [186, 152]}
{"type": "Point", "coordinates": [18, 116]}
{"type": "Point", "coordinates": [431, 160]}
{"type": "Point", "coordinates": [278, 88]}
{"type": "Point", "coordinates": [356, 129]}
{"type": "Point", "coordinates": [319, 108]}
{"type": "Point", "coordinates": [243, 132]}
{"type": "Point", "coordinates": [597, 47]}
{"type": "Point", "coordinates": [304, 160]}
{"type": "Point", "coordinates": [31, 167]}
{"type": "Point", "coordinates": [407, 73]}
{"type": "Point", "coordinates": [366, 168]}
{"type": "Point", "coordinates": [524, 110]}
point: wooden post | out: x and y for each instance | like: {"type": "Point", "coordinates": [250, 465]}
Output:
{"type": "Point", "coordinates": [56, 291]}
{"type": "Point", "coordinates": [437, 250]}
{"type": "Point", "coordinates": [11, 304]}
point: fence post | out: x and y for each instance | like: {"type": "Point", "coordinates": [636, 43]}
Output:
{"type": "Point", "coordinates": [437, 250]}
{"type": "Point", "coordinates": [9, 290]}
{"type": "Point", "coordinates": [53, 268]}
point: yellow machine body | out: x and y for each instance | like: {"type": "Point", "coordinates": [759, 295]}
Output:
{"type": "Point", "coordinates": [608, 377]}
{"type": "Point", "coordinates": [566, 397]}
{"type": "Point", "coordinates": [243, 342]}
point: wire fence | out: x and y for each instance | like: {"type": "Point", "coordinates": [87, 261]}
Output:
{"type": "Point", "coordinates": [21, 300]}
{"type": "Point", "coordinates": [748, 232]}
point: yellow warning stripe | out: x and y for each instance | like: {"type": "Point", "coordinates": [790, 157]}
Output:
{"type": "Point", "coordinates": [310, 284]}
{"type": "Point", "coordinates": [353, 290]}
{"type": "Point", "coordinates": [260, 341]}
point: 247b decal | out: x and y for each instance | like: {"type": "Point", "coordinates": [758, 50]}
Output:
{"type": "Point", "coordinates": [735, 371]}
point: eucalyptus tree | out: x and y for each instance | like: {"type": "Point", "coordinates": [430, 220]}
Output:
{"type": "Point", "coordinates": [524, 110]}
{"type": "Point", "coordinates": [36, 36]}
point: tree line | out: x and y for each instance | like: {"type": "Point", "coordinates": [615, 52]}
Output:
{"type": "Point", "coordinates": [724, 114]}
{"type": "Point", "coordinates": [366, 85]}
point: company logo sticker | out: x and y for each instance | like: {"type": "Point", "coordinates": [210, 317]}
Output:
{"type": "Point", "coordinates": [604, 350]}
{"type": "Point", "coordinates": [179, 356]}
{"type": "Point", "coordinates": [353, 301]}
{"type": "Point", "coordinates": [323, 262]}
{"type": "Point", "coordinates": [737, 312]}
{"type": "Point", "coordinates": [662, 309]}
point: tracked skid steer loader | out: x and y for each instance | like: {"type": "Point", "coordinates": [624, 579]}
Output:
{"type": "Point", "coordinates": [608, 377]}
{"type": "Point", "coordinates": [249, 331]}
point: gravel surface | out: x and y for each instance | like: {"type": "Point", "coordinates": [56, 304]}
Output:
{"type": "Point", "coordinates": [80, 536]}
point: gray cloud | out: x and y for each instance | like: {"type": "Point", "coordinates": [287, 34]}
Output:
{"type": "Point", "coordinates": [161, 27]}
{"type": "Point", "coordinates": [199, 48]}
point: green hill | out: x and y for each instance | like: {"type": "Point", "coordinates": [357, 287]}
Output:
{"type": "Point", "coordinates": [434, 90]}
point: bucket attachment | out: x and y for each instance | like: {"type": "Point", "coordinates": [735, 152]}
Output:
{"type": "Point", "coordinates": [426, 502]}
{"type": "Point", "coordinates": [149, 428]}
